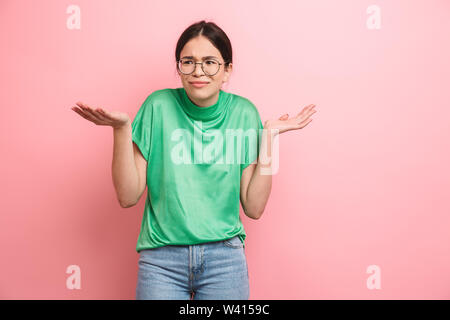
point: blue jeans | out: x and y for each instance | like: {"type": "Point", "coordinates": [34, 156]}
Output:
{"type": "Point", "coordinates": [206, 271]}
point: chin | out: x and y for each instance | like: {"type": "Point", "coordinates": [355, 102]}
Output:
{"type": "Point", "coordinates": [200, 93]}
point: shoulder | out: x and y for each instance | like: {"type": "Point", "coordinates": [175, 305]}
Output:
{"type": "Point", "coordinates": [243, 103]}
{"type": "Point", "coordinates": [244, 106]}
{"type": "Point", "coordinates": [162, 95]}
{"type": "Point", "coordinates": [159, 98]}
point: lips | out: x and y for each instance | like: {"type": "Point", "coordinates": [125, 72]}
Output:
{"type": "Point", "coordinates": [198, 84]}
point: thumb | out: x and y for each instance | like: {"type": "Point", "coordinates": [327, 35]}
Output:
{"type": "Point", "coordinates": [284, 117]}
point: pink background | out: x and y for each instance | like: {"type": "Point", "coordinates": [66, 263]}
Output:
{"type": "Point", "coordinates": [365, 183]}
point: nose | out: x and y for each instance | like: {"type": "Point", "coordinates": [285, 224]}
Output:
{"type": "Point", "coordinates": [198, 71]}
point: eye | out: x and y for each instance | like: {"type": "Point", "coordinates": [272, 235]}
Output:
{"type": "Point", "coordinates": [211, 62]}
{"type": "Point", "coordinates": [186, 61]}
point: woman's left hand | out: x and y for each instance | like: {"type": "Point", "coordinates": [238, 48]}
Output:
{"type": "Point", "coordinates": [284, 124]}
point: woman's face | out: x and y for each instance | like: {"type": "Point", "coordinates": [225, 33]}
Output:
{"type": "Point", "coordinates": [207, 95]}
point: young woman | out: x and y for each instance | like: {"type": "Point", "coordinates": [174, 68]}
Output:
{"type": "Point", "coordinates": [191, 242]}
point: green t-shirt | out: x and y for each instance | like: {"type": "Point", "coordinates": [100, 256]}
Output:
{"type": "Point", "coordinates": [195, 158]}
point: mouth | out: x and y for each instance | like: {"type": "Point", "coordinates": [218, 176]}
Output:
{"type": "Point", "coordinates": [198, 84]}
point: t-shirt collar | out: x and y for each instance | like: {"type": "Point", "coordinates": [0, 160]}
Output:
{"type": "Point", "coordinates": [202, 113]}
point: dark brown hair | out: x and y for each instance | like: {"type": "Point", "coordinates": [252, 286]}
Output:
{"type": "Point", "coordinates": [211, 31]}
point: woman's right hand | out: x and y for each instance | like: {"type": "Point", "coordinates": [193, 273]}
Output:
{"type": "Point", "coordinates": [102, 117]}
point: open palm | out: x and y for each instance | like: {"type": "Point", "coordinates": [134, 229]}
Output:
{"type": "Point", "coordinates": [284, 123]}
{"type": "Point", "coordinates": [101, 117]}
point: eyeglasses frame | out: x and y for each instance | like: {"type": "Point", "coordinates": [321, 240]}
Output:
{"type": "Point", "coordinates": [195, 67]}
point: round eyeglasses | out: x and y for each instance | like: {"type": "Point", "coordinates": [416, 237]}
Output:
{"type": "Point", "coordinates": [210, 67]}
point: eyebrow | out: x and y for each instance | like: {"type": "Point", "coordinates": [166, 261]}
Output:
{"type": "Point", "coordinates": [207, 57]}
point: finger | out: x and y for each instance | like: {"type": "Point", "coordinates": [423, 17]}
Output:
{"type": "Point", "coordinates": [105, 114]}
{"type": "Point", "coordinates": [92, 112]}
{"type": "Point", "coordinates": [303, 116]}
{"type": "Point", "coordinates": [303, 123]}
{"type": "Point", "coordinates": [82, 105]}
{"type": "Point", "coordinates": [79, 111]}
{"type": "Point", "coordinates": [308, 108]}
{"type": "Point", "coordinates": [101, 115]}
{"type": "Point", "coordinates": [305, 109]}
{"type": "Point", "coordinates": [311, 112]}
{"type": "Point", "coordinates": [83, 114]}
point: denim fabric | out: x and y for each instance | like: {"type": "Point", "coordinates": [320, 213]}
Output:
{"type": "Point", "coordinates": [207, 271]}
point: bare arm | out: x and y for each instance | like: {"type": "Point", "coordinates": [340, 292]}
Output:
{"type": "Point", "coordinates": [129, 168]}
{"type": "Point", "coordinates": [256, 186]}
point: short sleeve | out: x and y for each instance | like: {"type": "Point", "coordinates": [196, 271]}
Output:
{"type": "Point", "coordinates": [142, 127]}
{"type": "Point", "coordinates": [252, 139]}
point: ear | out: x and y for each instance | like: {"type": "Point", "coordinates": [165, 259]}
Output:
{"type": "Point", "coordinates": [228, 71]}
